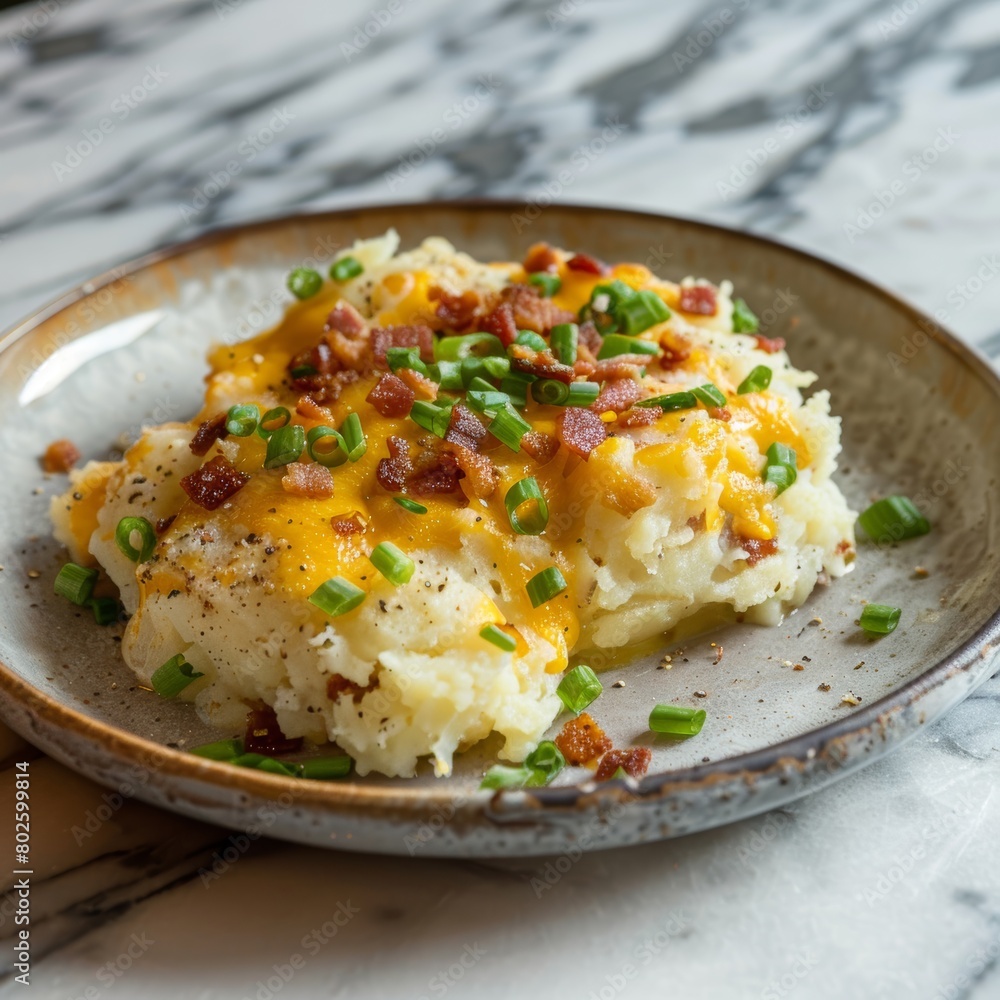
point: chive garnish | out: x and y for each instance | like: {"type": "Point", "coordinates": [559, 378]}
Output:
{"type": "Point", "coordinates": [640, 311]}
{"type": "Point", "coordinates": [744, 320]}
{"type": "Point", "coordinates": [128, 528]}
{"type": "Point", "coordinates": [676, 721]}
{"type": "Point", "coordinates": [411, 505]}
{"type": "Point", "coordinates": [346, 268]}
{"type": "Point", "coordinates": [336, 597]}
{"type": "Point", "coordinates": [547, 284]}
{"type": "Point", "coordinates": [325, 768]}
{"type": "Point", "coordinates": [173, 677]}
{"type": "Point", "coordinates": [226, 750]}
{"type": "Point", "coordinates": [564, 339]}
{"type": "Point", "coordinates": [405, 357]}
{"type": "Point", "coordinates": [75, 583]}
{"type": "Point", "coordinates": [326, 446]}
{"type": "Point", "coordinates": [527, 508]}
{"type": "Point", "coordinates": [393, 563]}
{"type": "Point", "coordinates": [353, 435]}
{"type": "Point", "coordinates": [528, 338]}
{"type": "Point", "coordinates": [509, 426]}
{"type": "Point", "coordinates": [781, 467]}
{"type": "Point", "coordinates": [757, 381]}
{"type": "Point", "coordinates": [579, 688]}
{"type": "Point", "coordinates": [106, 609]}
{"type": "Point", "coordinates": [544, 586]}
{"type": "Point", "coordinates": [501, 639]}
{"type": "Point", "coordinates": [615, 344]}
{"type": "Point", "coordinates": [672, 401]}
{"type": "Point", "coordinates": [304, 282]}
{"type": "Point", "coordinates": [431, 416]}
{"type": "Point", "coordinates": [242, 419]}
{"type": "Point", "coordinates": [457, 347]}
{"type": "Point", "coordinates": [273, 421]}
{"type": "Point", "coordinates": [285, 445]}
{"type": "Point", "coordinates": [709, 395]}
{"type": "Point", "coordinates": [893, 518]}
{"type": "Point", "coordinates": [880, 619]}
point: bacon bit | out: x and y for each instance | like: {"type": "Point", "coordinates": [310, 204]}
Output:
{"type": "Point", "coordinates": [391, 396]}
{"type": "Point", "coordinates": [163, 523]}
{"type": "Point", "coordinates": [639, 416]}
{"type": "Point", "coordinates": [308, 408]}
{"type": "Point", "coordinates": [584, 367]}
{"type": "Point", "coordinates": [392, 472]}
{"type": "Point", "coordinates": [697, 523]}
{"type": "Point", "coordinates": [587, 264]}
{"type": "Point", "coordinates": [618, 395]}
{"type": "Point", "coordinates": [435, 471]}
{"type": "Point", "coordinates": [264, 735]}
{"type": "Point", "coordinates": [344, 318]}
{"type": "Point", "coordinates": [540, 363]}
{"type": "Point", "coordinates": [757, 548]}
{"type": "Point", "coordinates": [403, 336]}
{"type": "Point", "coordinates": [532, 311]}
{"type": "Point", "coordinates": [481, 475]}
{"type": "Point", "coordinates": [634, 761]}
{"type": "Point", "coordinates": [501, 324]}
{"type": "Point", "coordinates": [770, 345]}
{"type": "Point", "coordinates": [329, 377]}
{"type": "Point", "coordinates": [582, 739]}
{"type": "Point", "coordinates": [422, 386]}
{"type": "Point", "coordinates": [580, 430]}
{"type": "Point", "coordinates": [699, 299]}
{"type": "Point", "coordinates": [338, 685]}
{"type": "Point", "coordinates": [465, 428]}
{"type": "Point", "coordinates": [719, 413]}
{"type": "Point", "coordinates": [308, 480]}
{"type": "Point", "coordinates": [540, 257]}
{"type": "Point", "coordinates": [60, 456]}
{"type": "Point", "coordinates": [348, 524]}
{"type": "Point", "coordinates": [622, 366]}
{"type": "Point", "coordinates": [214, 483]}
{"type": "Point", "coordinates": [719, 650]}
{"type": "Point", "coordinates": [590, 338]}
{"type": "Point", "coordinates": [208, 433]}
{"type": "Point", "coordinates": [540, 446]}
{"type": "Point", "coordinates": [352, 351]}
{"type": "Point", "coordinates": [674, 354]}
{"type": "Point", "coordinates": [455, 311]}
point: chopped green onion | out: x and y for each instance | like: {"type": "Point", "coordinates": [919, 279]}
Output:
{"type": "Point", "coordinates": [220, 750]}
{"type": "Point", "coordinates": [579, 688]}
{"type": "Point", "coordinates": [431, 416]}
{"type": "Point", "coordinates": [326, 446]}
{"type": "Point", "coordinates": [619, 774]}
{"type": "Point", "coordinates": [285, 445]}
{"type": "Point", "coordinates": [457, 347]}
{"type": "Point", "coordinates": [528, 338]}
{"type": "Point", "coordinates": [615, 344]}
{"type": "Point", "coordinates": [478, 384]}
{"type": "Point", "coordinates": [411, 505]}
{"type": "Point", "coordinates": [487, 401]}
{"type": "Point", "coordinates": [544, 763]}
{"type": "Point", "coordinates": [744, 321]}
{"type": "Point", "coordinates": [549, 391]}
{"type": "Point", "coordinates": [672, 401]}
{"type": "Point", "coordinates": [304, 282]}
{"type": "Point", "coordinates": [516, 386]}
{"type": "Point", "coordinates": [273, 421]}
{"type": "Point", "coordinates": [106, 609]}
{"type": "Point", "coordinates": [336, 597]}
{"type": "Point", "coordinates": [544, 586]}
{"type": "Point", "coordinates": [781, 467]}
{"type": "Point", "coordinates": [448, 374]}
{"type": "Point", "coordinates": [709, 394]}
{"type": "Point", "coordinates": [509, 426]}
{"type": "Point", "coordinates": [564, 339]}
{"type": "Point", "coordinates": [176, 674]}
{"type": "Point", "coordinates": [325, 768]}
{"type": "Point", "coordinates": [405, 357]}
{"type": "Point", "coordinates": [757, 381]}
{"type": "Point", "coordinates": [303, 371]}
{"type": "Point", "coordinates": [893, 518]}
{"type": "Point", "coordinates": [346, 268]}
{"type": "Point", "coordinates": [879, 618]}
{"type": "Point", "coordinates": [547, 284]}
{"type": "Point", "coordinates": [502, 776]}
{"type": "Point", "coordinates": [242, 419]}
{"type": "Point", "coordinates": [355, 442]}
{"type": "Point", "coordinates": [605, 302]}
{"type": "Point", "coordinates": [676, 721]}
{"type": "Point", "coordinates": [499, 638]}
{"type": "Point", "coordinates": [76, 583]}
{"type": "Point", "coordinates": [260, 762]}
{"type": "Point", "coordinates": [641, 311]}
{"type": "Point", "coordinates": [527, 508]}
{"type": "Point", "coordinates": [393, 563]}
{"type": "Point", "coordinates": [129, 526]}
{"type": "Point", "coordinates": [582, 393]}
{"type": "Point", "coordinates": [483, 368]}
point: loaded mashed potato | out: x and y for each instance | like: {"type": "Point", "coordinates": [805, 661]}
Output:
{"type": "Point", "coordinates": [403, 509]}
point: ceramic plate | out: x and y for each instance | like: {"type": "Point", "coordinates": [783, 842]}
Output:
{"type": "Point", "coordinates": [919, 416]}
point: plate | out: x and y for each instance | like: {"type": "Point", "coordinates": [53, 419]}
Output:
{"type": "Point", "coordinates": [919, 411]}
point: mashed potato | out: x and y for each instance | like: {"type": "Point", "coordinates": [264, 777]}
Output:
{"type": "Point", "coordinates": [654, 512]}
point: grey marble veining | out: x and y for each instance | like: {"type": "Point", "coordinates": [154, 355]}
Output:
{"type": "Point", "coordinates": [864, 131]}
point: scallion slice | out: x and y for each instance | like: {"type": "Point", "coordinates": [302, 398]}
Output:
{"type": "Point", "coordinates": [393, 563]}
{"type": "Point", "coordinates": [226, 750]}
{"type": "Point", "coordinates": [527, 508]}
{"type": "Point", "coordinates": [503, 776]}
{"type": "Point", "coordinates": [304, 282]}
{"type": "Point", "coordinates": [781, 467]}
{"type": "Point", "coordinates": [176, 674]}
{"type": "Point", "coordinates": [76, 583]}
{"type": "Point", "coordinates": [353, 434]}
{"type": "Point", "coordinates": [346, 268]}
{"type": "Point", "coordinates": [547, 284]}
{"type": "Point", "coordinates": [579, 688]}
{"type": "Point", "coordinates": [509, 426]}
{"type": "Point", "coordinates": [261, 762]}
{"type": "Point", "coordinates": [544, 763]}
{"type": "Point", "coordinates": [582, 393]}
{"type": "Point", "coordinates": [242, 419]}
{"type": "Point", "coordinates": [431, 416]}
{"type": "Point", "coordinates": [640, 311]}
{"type": "Point", "coordinates": [405, 357]}
{"type": "Point", "coordinates": [488, 402]}
{"type": "Point", "coordinates": [672, 401]}
{"type": "Point", "coordinates": [757, 381]}
{"type": "Point", "coordinates": [273, 421]}
{"type": "Point", "coordinates": [285, 445]}
{"type": "Point", "coordinates": [744, 321]}
{"type": "Point", "coordinates": [325, 768]}
{"type": "Point", "coordinates": [516, 386]}
{"type": "Point", "coordinates": [544, 586]}
{"type": "Point", "coordinates": [491, 366]}
{"type": "Point", "coordinates": [106, 609]}
{"type": "Point", "coordinates": [411, 505]}
{"type": "Point", "coordinates": [676, 721]}
{"type": "Point", "coordinates": [550, 392]}
{"type": "Point", "coordinates": [326, 446]}
{"type": "Point", "coordinates": [447, 374]}
{"type": "Point", "coordinates": [616, 343]}
{"type": "Point", "coordinates": [528, 338]}
{"type": "Point", "coordinates": [709, 395]}
{"type": "Point", "coordinates": [564, 339]}
{"type": "Point", "coordinates": [501, 639]}
{"type": "Point", "coordinates": [879, 618]}
{"type": "Point", "coordinates": [336, 597]}
{"type": "Point", "coordinates": [125, 534]}
{"type": "Point", "coordinates": [457, 347]}
{"type": "Point", "coordinates": [893, 519]}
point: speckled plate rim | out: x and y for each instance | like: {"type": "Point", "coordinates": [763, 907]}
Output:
{"type": "Point", "coordinates": [797, 751]}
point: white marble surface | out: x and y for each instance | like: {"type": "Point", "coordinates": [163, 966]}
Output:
{"type": "Point", "coordinates": [793, 121]}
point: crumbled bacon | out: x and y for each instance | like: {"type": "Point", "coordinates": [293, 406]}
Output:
{"type": "Point", "coordinates": [587, 264]}
{"type": "Point", "coordinates": [621, 366]}
{"type": "Point", "coordinates": [264, 735]}
{"type": "Point", "coordinates": [422, 386]}
{"type": "Point", "coordinates": [640, 416]}
{"type": "Point", "coordinates": [699, 299]}
{"type": "Point", "coordinates": [532, 311]}
{"type": "Point", "coordinates": [719, 413]}
{"type": "Point", "coordinates": [351, 348]}
{"type": "Point", "coordinates": [618, 395]}
{"type": "Point", "coordinates": [634, 761]}
{"type": "Point", "coordinates": [757, 548]}
{"type": "Point", "coordinates": [337, 685]}
{"type": "Point", "coordinates": [540, 363]}
{"type": "Point", "coordinates": [580, 430]}
{"type": "Point", "coordinates": [60, 456]}
{"type": "Point", "coordinates": [392, 471]}
{"type": "Point", "coordinates": [465, 428]}
{"type": "Point", "coordinates": [500, 322]}
{"type": "Point", "coordinates": [208, 433]}
{"type": "Point", "coordinates": [308, 408]}
{"type": "Point", "coordinates": [391, 396]}
{"type": "Point", "coordinates": [770, 345]}
{"type": "Point", "coordinates": [348, 524]}
{"type": "Point", "coordinates": [540, 446]}
{"type": "Point", "coordinates": [481, 475]}
{"type": "Point", "coordinates": [344, 318]}
{"type": "Point", "coordinates": [455, 311]}
{"type": "Point", "coordinates": [214, 483]}
{"type": "Point", "coordinates": [584, 367]}
{"type": "Point", "coordinates": [582, 739]}
{"type": "Point", "coordinates": [308, 480]}
{"type": "Point", "coordinates": [433, 471]}
{"type": "Point", "coordinates": [403, 336]}
{"type": "Point", "coordinates": [697, 523]}
{"type": "Point", "coordinates": [673, 354]}
{"type": "Point", "coordinates": [590, 337]}
{"type": "Point", "coordinates": [540, 257]}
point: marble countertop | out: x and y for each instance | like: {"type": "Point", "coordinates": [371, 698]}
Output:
{"type": "Point", "coordinates": [865, 131]}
